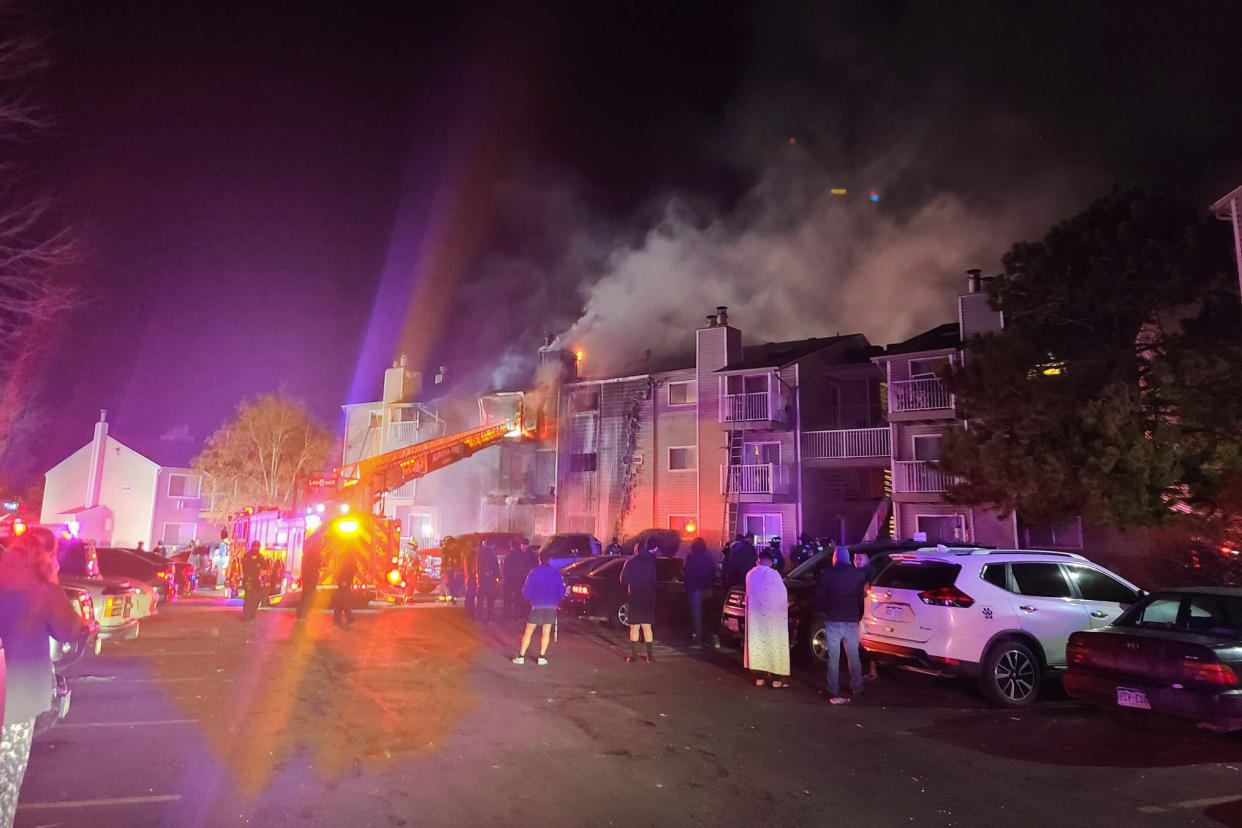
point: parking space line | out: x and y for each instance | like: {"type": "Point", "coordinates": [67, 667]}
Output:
{"type": "Point", "coordinates": [95, 803]}
{"type": "Point", "coordinates": [61, 725]}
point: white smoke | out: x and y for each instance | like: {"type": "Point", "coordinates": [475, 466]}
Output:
{"type": "Point", "coordinates": [795, 260]}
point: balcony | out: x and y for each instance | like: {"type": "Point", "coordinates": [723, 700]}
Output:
{"type": "Point", "coordinates": [918, 476]}
{"type": "Point", "coordinates": [845, 443]}
{"type": "Point", "coordinates": [758, 479]}
{"type": "Point", "coordinates": [918, 395]}
{"type": "Point", "coordinates": [402, 434]}
{"type": "Point", "coordinates": [740, 408]}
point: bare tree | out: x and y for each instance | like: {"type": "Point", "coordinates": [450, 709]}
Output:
{"type": "Point", "coordinates": [36, 249]}
{"type": "Point", "coordinates": [257, 458]}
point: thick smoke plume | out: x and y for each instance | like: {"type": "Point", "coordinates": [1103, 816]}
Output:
{"type": "Point", "coordinates": [796, 260]}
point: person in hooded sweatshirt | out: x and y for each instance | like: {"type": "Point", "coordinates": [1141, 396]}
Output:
{"type": "Point", "coordinates": [544, 588]}
{"type": "Point", "coordinates": [839, 595]}
{"type": "Point", "coordinates": [698, 573]}
{"type": "Point", "coordinates": [639, 577]}
{"type": "Point", "coordinates": [742, 559]}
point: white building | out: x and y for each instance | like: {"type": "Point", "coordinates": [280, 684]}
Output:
{"type": "Point", "coordinates": [119, 497]}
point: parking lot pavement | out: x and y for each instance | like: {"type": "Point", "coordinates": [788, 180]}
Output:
{"type": "Point", "coordinates": [416, 716]}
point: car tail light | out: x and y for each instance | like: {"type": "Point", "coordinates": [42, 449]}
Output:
{"type": "Point", "coordinates": [1076, 652]}
{"type": "Point", "coordinates": [580, 589]}
{"type": "Point", "coordinates": [86, 607]}
{"type": "Point", "coordinates": [163, 574]}
{"type": "Point", "coordinates": [949, 596]}
{"type": "Point", "coordinates": [1209, 672]}
{"type": "Point", "coordinates": [112, 608]}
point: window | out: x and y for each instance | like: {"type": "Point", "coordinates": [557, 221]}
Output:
{"type": "Point", "coordinates": [584, 401]}
{"type": "Point", "coordinates": [682, 393]}
{"type": "Point", "coordinates": [582, 462]}
{"type": "Point", "coordinates": [996, 575]}
{"type": "Point", "coordinates": [755, 454]}
{"type": "Point", "coordinates": [747, 384]}
{"type": "Point", "coordinates": [763, 527]}
{"type": "Point", "coordinates": [920, 575]}
{"type": "Point", "coordinates": [176, 534]}
{"type": "Point", "coordinates": [376, 419]}
{"type": "Point", "coordinates": [927, 368]}
{"type": "Point", "coordinates": [682, 523]}
{"type": "Point", "coordinates": [941, 528]}
{"type": "Point", "coordinates": [926, 447]}
{"type": "Point", "coordinates": [1096, 586]}
{"type": "Point", "coordinates": [682, 458]}
{"type": "Point", "coordinates": [1040, 580]}
{"type": "Point", "coordinates": [183, 485]}
{"type": "Point", "coordinates": [1160, 613]}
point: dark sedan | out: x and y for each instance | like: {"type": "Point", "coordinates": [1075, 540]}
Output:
{"type": "Point", "coordinates": [183, 571]}
{"type": "Point", "coordinates": [123, 563]}
{"type": "Point", "coordinates": [599, 594]}
{"type": "Point", "coordinates": [1176, 652]}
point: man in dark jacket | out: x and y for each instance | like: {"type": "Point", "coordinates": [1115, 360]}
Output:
{"type": "Point", "coordinates": [312, 560]}
{"type": "Point", "coordinates": [839, 595]}
{"type": "Point", "coordinates": [487, 578]}
{"type": "Point", "coordinates": [346, 569]}
{"type": "Point", "coordinates": [639, 577]}
{"type": "Point", "coordinates": [518, 564]}
{"type": "Point", "coordinates": [742, 559]}
{"type": "Point", "coordinates": [252, 580]}
{"type": "Point", "coordinates": [543, 588]}
{"type": "Point", "coordinates": [469, 555]}
{"type": "Point", "coordinates": [698, 572]}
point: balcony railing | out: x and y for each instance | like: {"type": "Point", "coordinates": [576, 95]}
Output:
{"type": "Point", "coordinates": [404, 490]}
{"type": "Point", "coordinates": [845, 443]}
{"type": "Point", "coordinates": [918, 395]}
{"type": "Point", "coordinates": [403, 433]}
{"type": "Point", "coordinates": [918, 476]}
{"type": "Point", "coordinates": [761, 478]}
{"type": "Point", "coordinates": [735, 408]}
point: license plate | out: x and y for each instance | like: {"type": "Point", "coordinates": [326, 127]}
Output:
{"type": "Point", "coordinates": [892, 612]}
{"type": "Point", "coordinates": [731, 624]}
{"type": "Point", "coordinates": [1132, 698]}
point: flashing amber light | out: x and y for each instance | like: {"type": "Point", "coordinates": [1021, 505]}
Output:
{"type": "Point", "coordinates": [347, 527]}
{"type": "Point", "coordinates": [19, 527]}
{"type": "Point", "coordinates": [838, 191]}
{"type": "Point", "coordinates": [690, 527]}
{"type": "Point", "coordinates": [394, 576]}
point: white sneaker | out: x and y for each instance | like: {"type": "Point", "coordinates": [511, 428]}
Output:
{"type": "Point", "coordinates": [542, 662]}
{"type": "Point", "coordinates": [519, 660]}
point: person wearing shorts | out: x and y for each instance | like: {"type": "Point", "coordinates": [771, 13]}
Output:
{"type": "Point", "coordinates": [544, 588]}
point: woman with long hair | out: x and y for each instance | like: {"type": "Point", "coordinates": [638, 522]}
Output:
{"type": "Point", "coordinates": [32, 607]}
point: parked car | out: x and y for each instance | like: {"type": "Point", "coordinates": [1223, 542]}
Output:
{"type": "Point", "coordinates": [562, 549]}
{"type": "Point", "coordinates": [183, 571]}
{"type": "Point", "coordinates": [1176, 652]}
{"type": "Point", "coordinates": [585, 566]}
{"type": "Point", "coordinates": [65, 653]}
{"type": "Point", "coordinates": [123, 563]}
{"type": "Point", "coordinates": [1001, 616]}
{"type": "Point", "coordinates": [806, 623]}
{"type": "Point", "coordinates": [78, 560]}
{"type": "Point", "coordinates": [599, 594]}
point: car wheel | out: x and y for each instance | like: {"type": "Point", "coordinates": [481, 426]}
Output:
{"type": "Point", "coordinates": [621, 616]}
{"type": "Point", "coordinates": [1011, 675]}
{"type": "Point", "coordinates": [819, 644]}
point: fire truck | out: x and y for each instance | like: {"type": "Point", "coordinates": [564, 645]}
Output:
{"type": "Point", "coordinates": [347, 519]}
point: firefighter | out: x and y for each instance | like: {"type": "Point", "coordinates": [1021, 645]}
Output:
{"type": "Point", "coordinates": [252, 581]}
{"type": "Point", "coordinates": [312, 559]}
{"type": "Point", "coordinates": [346, 569]}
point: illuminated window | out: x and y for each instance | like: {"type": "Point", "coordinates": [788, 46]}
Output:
{"type": "Point", "coordinates": [183, 485]}
{"type": "Point", "coordinates": [764, 527]}
{"type": "Point", "coordinates": [682, 393]}
{"type": "Point", "coordinates": [682, 523]}
{"type": "Point", "coordinates": [682, 458]}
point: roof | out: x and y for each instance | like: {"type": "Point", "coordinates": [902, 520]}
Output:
{"type": "Point", "coordinates": [780, 354]}
{"type": "Point", "coordinates": [1223, 207]}
{"type": "Point", "coordinates": [940, 338]}
{"type": "Point", "coordinates": [1202, 590]}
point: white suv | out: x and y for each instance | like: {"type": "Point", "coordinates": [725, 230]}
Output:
{"type": "Point", "coordinates": [1002, 616]}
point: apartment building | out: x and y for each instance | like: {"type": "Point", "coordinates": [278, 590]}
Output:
{"type": "Point", "coordinates": [920, 410]}
{"type": "Point", "coordinates": [774, 439]}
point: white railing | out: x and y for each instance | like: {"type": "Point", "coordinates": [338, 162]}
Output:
{"type": "Point", "coordinates": [918, 395]}
{"type": "Point", "coordinates": [403, 434]}
{"type": "Point", "coordinates": [762, 478]}
{"type": "Point", "coordinates": [844, 443]}
{"type": "Point", "coordinates": [918, 476]}
{"type": "Point", "coordinates": [743, 407]}
{"type": "Point", "coordinates": [404, 490]}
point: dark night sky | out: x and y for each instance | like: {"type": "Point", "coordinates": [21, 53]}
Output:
{"type": "Point", "coordinates": [251, 176]}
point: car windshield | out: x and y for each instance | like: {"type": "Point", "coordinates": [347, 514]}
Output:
{"type": "Point", "coordinates": [920, 575]}
{"type": "Point", "coordinates": [809, 567]}
{"type": "Point", "coordinates": [581, 567]}
{"type": "Point", "coordinates": [612, 569]}
{"type": "Point", "coordinates": [1202, 614]}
